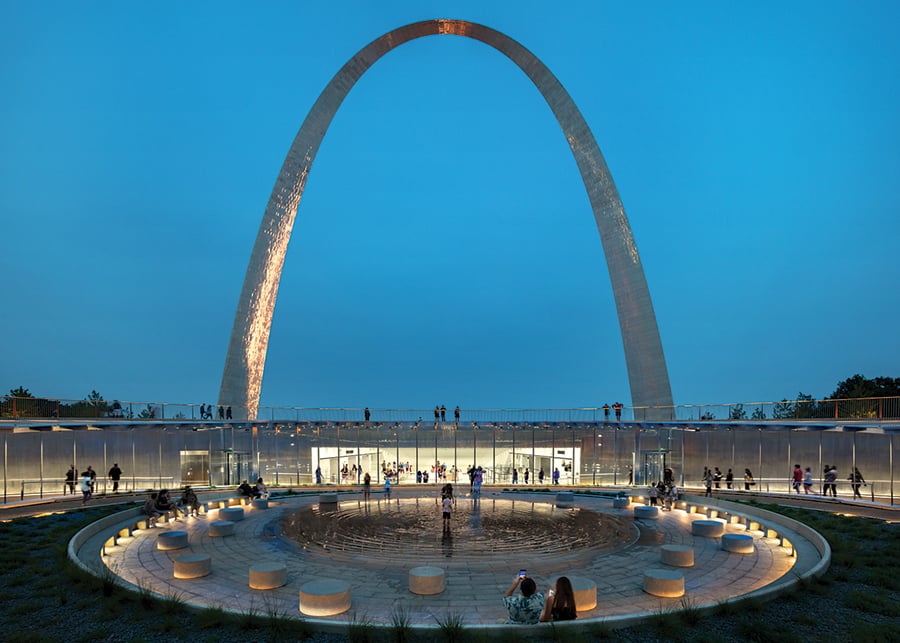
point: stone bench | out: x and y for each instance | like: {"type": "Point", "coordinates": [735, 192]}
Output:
{"type": "Point", "coordinates": [193, 566]}
{"type": "Point", "coordinates": [426, 580]}
{"type": "Point", "coordinates": [234, 514]}
{"type": "Point", "coordinates": [646, 511]}
{"type": "Point", "coordinates": [268, 575]}
{"type": "Point", "coordinates": [565, 499]}
{"type": "Point", "coordinates": [664, 583]}
{"type": "Point", "coordinates": [221, 528]}
{"type": "Point", "coordinates": [738, 543]}
{"type": "Point", "coordinates": [328, 499]}
{"type": "Point", "coordinates": [620, 503]}
{"type": "Point", "coordinates": [708, 528]}
{"type": "Point", "coordinates": [260, 503]}
{"type": "Point", "coordinates": [585, 591]}
{"type": "Point", "coordinates": [169, 540]}
{"type": "Point", "coordinates": [677, 555]}
{"type": "Point", "coordinates": [324, 597]}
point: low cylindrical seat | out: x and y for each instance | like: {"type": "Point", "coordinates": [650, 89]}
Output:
{"type": "Point", "coordinates": [565, 499]}
{"type": "Point", "coordinates": [677, 555]}
{"type": "Point", "coordinates": [738, 543]}
{"type": "Point", "coordinates": [664, 583]}
{"type": "Point", "coordinates": [328, 499]}
{"type": "Point", "coordinates": [234, 514]}
{"type": "Point", "coordinates": [193, 566]}
{"type": "Point", "coordinates": [620, 502]}
{"type": "Point", "coordinates": [268, 575]}
{"type": "Point", "coordinates": [325, 597]}
{"type": "Point", "coordinates": [426, 580]}
{"type": "Point", "coordinates": [585, 591]}
{"type": "Point", "coordinates": [260, 503]}
{"type": "Point", "coordinates": [169, 540]}
{"type": "Point", "coordinates": [646, 511]}
{"type": "Point", "coordinates": [708, 528]}
{"type": "Point", "coordinates": [221, 528]}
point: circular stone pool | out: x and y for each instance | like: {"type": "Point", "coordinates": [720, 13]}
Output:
{"type": "Point", "coordinates": [478, 528]}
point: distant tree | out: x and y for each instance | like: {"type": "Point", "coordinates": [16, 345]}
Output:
{"type": "Point", "coordinates": [758, 414]}
{"type": "Point", "coordinates": [737, 412]}
{"type": "Point", "coordinates": [148, 413]}
{"type": "Point", "coordinates": [783, 410]}
{"type": "Point", "coordinates": [860, 386]}
{"type": "Point", "coordinates": [20, 392]}
{"type": "Point", "coordinates": [805, 406]}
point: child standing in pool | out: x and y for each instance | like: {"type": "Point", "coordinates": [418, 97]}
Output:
{"type": "Point", "coordinates": [387, 488]}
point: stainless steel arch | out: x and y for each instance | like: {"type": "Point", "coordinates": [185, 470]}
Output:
{"type": "Point", "coordinates": [245, 361]}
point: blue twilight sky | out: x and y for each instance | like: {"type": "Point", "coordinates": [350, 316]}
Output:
{"type": "Point", "coordinates": [445, 250]}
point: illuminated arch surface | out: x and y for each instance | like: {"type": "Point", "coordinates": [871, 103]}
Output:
{"type": "Point", "coordinates": [245, 361]}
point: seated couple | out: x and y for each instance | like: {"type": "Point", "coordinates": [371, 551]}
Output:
{"type": "Point", "coordinates": [531, 606]}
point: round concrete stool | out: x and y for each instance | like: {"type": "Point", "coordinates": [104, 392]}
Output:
{"type": "Point", "coordinates": [677, 555]}
{"type": "Point", "coordinates": [193, 566]}
{"type": "Point", "coordinates": [426, 580]}
{"type": "Point", "coordinates": [565, 499]}
{"type": "Point", "coordinates": [324, 597]}
{"type": "Point", "coordinates": [233, 514]}
{"type": "Point", "coordinates": [646, 511]}
{"type": "Point", "coordinates": [220, 528]}
{"type": "Point", "coordinates": [268, 575]}
{"type": "Point", "coordinates": [328, 499]}
{"type": "Point", "coordinates": [708, 528]}
{"type": "Point", "coordinates": [169, 540]}
{"type": "Point", "coordinates": [620, 503]}
{"type": "Point", "coordinates": [664, 583]}
{"type": "Point", "coordinates": [260, 503]}
{"type": "Point", "coordinates": [585, 591]}
{"type": "Point", "coordinates": [738, 543]}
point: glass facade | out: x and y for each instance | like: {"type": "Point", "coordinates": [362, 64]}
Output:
{"type": "Point", "coordinates": [584, 453]}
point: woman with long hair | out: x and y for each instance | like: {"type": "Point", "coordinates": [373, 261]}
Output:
{"type": "Point", "coordinates": [560, 603]}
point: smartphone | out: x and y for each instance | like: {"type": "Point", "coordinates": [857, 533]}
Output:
{"type": "Point", "coordinates": [522, 573]}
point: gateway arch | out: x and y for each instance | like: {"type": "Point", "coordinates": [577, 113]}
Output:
{"type": "Point", "coordinates": [246, 357]}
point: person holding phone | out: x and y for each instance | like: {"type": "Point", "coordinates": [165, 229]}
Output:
{"type": "Point", "coordinates": [560, 603]}
{"type": "Point", "coordinates": [526, 608]}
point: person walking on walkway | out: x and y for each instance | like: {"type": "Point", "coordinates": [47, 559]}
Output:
{"type": "Point", "coordinates": [856, 479]}
{"type": "Point", "coordinates": [748, 480]}
{"type": "Point", "coordinates": [709, 481]}
{"type": "Point", "coordinates": [808, 482]}
{"type": "Point", "coordinates": [115, 474]}
{"type": "Point", "coordinates": [830, 480]}
{"type": "Point", "coordinates": [797, 478]}
{"type": "Point", "coordinates": [729, 479]}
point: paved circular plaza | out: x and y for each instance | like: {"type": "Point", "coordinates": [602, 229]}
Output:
{"type": "Point", "coordinates": [372, 547]}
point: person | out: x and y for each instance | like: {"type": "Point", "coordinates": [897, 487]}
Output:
{"type": "Point", "coordinates": [630, 475]}
{"type": "Point", "coordinates": [261, 490]}
{"type": "Point", "coordinates": [618, 408]}
{"type": "Point", "coordinates": [244, 489]}
{"type": "Point", "coordinates": [541, 476]}
{"type": "Point", "coordinates": [479, 479]}
{"type": "Point", "coordinates": [797, 478]}
{"type": "Point", "coordinates": [443, 413]}
{"type": "Point", "coordinates": [437, 413]}
{"type": "Point", "coordinates": [203, 411]}
{"type": "Point", "coordinates": [671, 497]}
{"type": "Point", "coordinates": [653, 495]}
{"type": "Point", "coordinates": [560, 602]}
{"type": "Point", "coordinates": [717, 478]}
{"type": "Point", "coordinates": [526, 475]}
{"type": "Point", "coordinates": [527, 608]}
{"type": "Point", "coordinates": [115, 474]}
{"type": "Point", "coordinates": [221, 412]}
{"type": "Point", "coordinates": [446, 507]}
{"type": "Point", "coordinates": [93, 475]}
{"type": "Point", "coordinates": [456, 414]}
{"type": "Point", "coordinates": [606, 412]}
{"type": "Point", "coordinates": [556, 475]}
{"type": "Point", "coordinates": [807, 481]}
{"type": "Point", "coordinates": [71, 474]}
{"type": "Point", "coordinates": [150, 509]}
{"type": "Point", "coordinates": [748, 480]}
{"type": "Point", "coordinates": [164, 503]}
{"type": "Point", "coordinates": [729, 479]}
{"type": "Point", "coordinates": [515, 476]}
{"type": "Point", "coordinates": [855, 479]}
{"type": "Point", "coordinates": [387, 487]}
{"type": "Point", "coordinates": [367, 414]}
{"type": "Point", "coordinates": [190, 502]}
{"type": "Point", "coordinates": [367, 486]}
{"type": "Point", "coordinates": [87, 489]}
{"type": "Point", "coordinates": [830, 480]}
{"type": "Point", "coordinates": [318, 475]}
{"type": "Point", "coordinates": [709, 481]}
{"type": "Point", "coordinates": [228, 413]}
